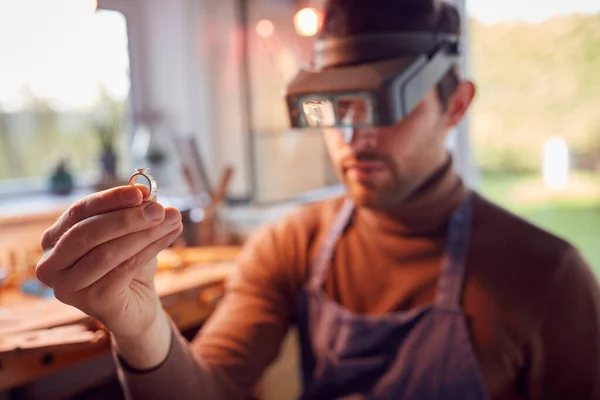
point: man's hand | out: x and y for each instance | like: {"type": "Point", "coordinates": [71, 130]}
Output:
{"type": "Point", "coordinates": [100, 258]}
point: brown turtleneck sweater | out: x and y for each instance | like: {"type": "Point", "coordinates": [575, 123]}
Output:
{"type": "Point", "coordinates": [532, 303]}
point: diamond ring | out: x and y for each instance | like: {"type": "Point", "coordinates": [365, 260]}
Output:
{"type": "Point", "coordinates": [145, 172]}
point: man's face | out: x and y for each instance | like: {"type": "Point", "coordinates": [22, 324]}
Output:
{"type": "Point", "coordinates": [383, 166]}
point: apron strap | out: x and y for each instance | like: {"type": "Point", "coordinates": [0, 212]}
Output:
{"type": "Point", "coordinates": [451, 280]}
{"type": "Point", "coordinates": [320, 265]}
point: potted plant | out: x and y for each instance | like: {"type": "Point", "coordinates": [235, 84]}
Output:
{"type": "Point", "coordinates": [108, 156]}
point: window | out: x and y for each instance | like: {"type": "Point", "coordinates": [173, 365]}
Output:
{"type": "Point", "coordinates": [535, 123]}
{"type": "Point", "coordinates": [64, 79]}
{"type": "Point", "coordinates": [280, 38]}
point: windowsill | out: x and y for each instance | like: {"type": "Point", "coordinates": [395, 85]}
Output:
{"type": "Point", "coordinates": [243, 218]}
{"type": "Point", "coordinates": [20, 207]}
{"type": "Point", "coordinates": [27, 187]}
{"type": "Point", "coordinates": [29, 199]}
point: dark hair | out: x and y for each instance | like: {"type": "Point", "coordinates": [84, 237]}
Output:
{"type": "Point", "coordinates": [345, 18]}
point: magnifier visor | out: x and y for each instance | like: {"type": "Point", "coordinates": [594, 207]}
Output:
{"type": "Point", "coordinates": [338, 110]}
{"type": "Point", "coordinates": [369, 80]}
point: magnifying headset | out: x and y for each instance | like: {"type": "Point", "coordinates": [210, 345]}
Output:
{"type": "Point", "coordinates": [369, 80]}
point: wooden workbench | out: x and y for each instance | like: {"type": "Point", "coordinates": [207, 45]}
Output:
{"type": "Point", "coordinates": [189, 295]}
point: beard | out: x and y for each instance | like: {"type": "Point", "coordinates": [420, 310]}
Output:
{"type": "Point", "coordinates": [373, 180]}
{"type": "Point", "coordinates": [389, 185]}
{"type": "Point", "coordinates": [379, 198]}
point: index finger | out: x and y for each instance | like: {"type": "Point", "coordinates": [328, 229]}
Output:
{"type": "Point", "coordinates": [95, 204]}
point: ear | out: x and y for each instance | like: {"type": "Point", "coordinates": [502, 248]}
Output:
{"type": "Point", "coordinates": [459, 103]}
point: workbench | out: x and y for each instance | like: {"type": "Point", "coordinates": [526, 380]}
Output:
{"type": "Point", "coordinates": [189, 295]}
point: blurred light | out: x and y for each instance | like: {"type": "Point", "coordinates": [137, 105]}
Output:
{"type": "Point", "coordinates": [265, 28]}
{"type": "Point", "coordinates": [556, 163]}
{"type": "Point", "coordinates": [94, 5]}
{"type": "Point", "coordinates": [197, 215]}
{"type": "Point", "coordinates": [306, 22]}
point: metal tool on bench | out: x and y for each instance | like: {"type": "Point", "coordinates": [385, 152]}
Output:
{"type": "Point", "coordinates": [206, 200]}
{"type": "Point", "coordinates": [47, 338]}
{"type": "Point", "coordinates": [17, 269]}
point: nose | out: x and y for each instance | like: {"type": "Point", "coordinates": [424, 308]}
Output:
{"type": "Point", "coordinates": [347, 134]}
{"type": "Point", "coordinates": [360, 138]}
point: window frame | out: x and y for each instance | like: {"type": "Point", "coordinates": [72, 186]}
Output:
{"type": "Point", "coordinates": [21, 187]}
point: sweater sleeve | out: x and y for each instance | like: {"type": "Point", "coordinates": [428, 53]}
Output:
{"type": "Point", "coordinates": [565, 362]}
{"type": "Point", "coordinates": [242, 337]}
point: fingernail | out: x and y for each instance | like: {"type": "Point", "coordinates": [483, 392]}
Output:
{"type": "Point", "coordinates": [154, 212]}
{"type": "Point", "coordinates": [172, 217]}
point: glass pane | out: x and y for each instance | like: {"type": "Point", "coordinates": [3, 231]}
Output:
{"type": "Point", "coordinates": [291, 164]}
{"type": "Point", "coordinates": [64, 88]}
{"type": "Point", "coordinates": [535, 123]}
{"type": "Point", "coordinates": [280, 43]}
{"type": "Point", "coordinates": [354, 110]}
{"type": "Point", "coordinates": [318, 113]}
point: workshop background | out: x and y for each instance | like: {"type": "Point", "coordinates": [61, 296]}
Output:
{"type": "Point", "coordinates": [91, 89]}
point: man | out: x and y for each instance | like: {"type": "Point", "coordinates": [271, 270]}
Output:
{"type": "Point", "coordinates": [411, 287]}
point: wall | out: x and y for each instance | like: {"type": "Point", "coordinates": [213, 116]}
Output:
{"type": "Point", "coordinates": [187, 61]}
{"type": "Point", "coordinates": [460, 141]}
{"type": "Point", "coordinates": [184, 58]}
{"type": "Point", "coordinates": [287, 162]}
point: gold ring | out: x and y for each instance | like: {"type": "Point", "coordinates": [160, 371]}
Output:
{"type": "Point", "coordinates": [145, 172]}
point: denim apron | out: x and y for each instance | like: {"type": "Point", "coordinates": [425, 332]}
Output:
{"type": "Point", "coordinates": [423, 353]}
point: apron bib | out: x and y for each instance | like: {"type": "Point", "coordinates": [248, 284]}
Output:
{"type": "Point", "coordinates": [425, 353]}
